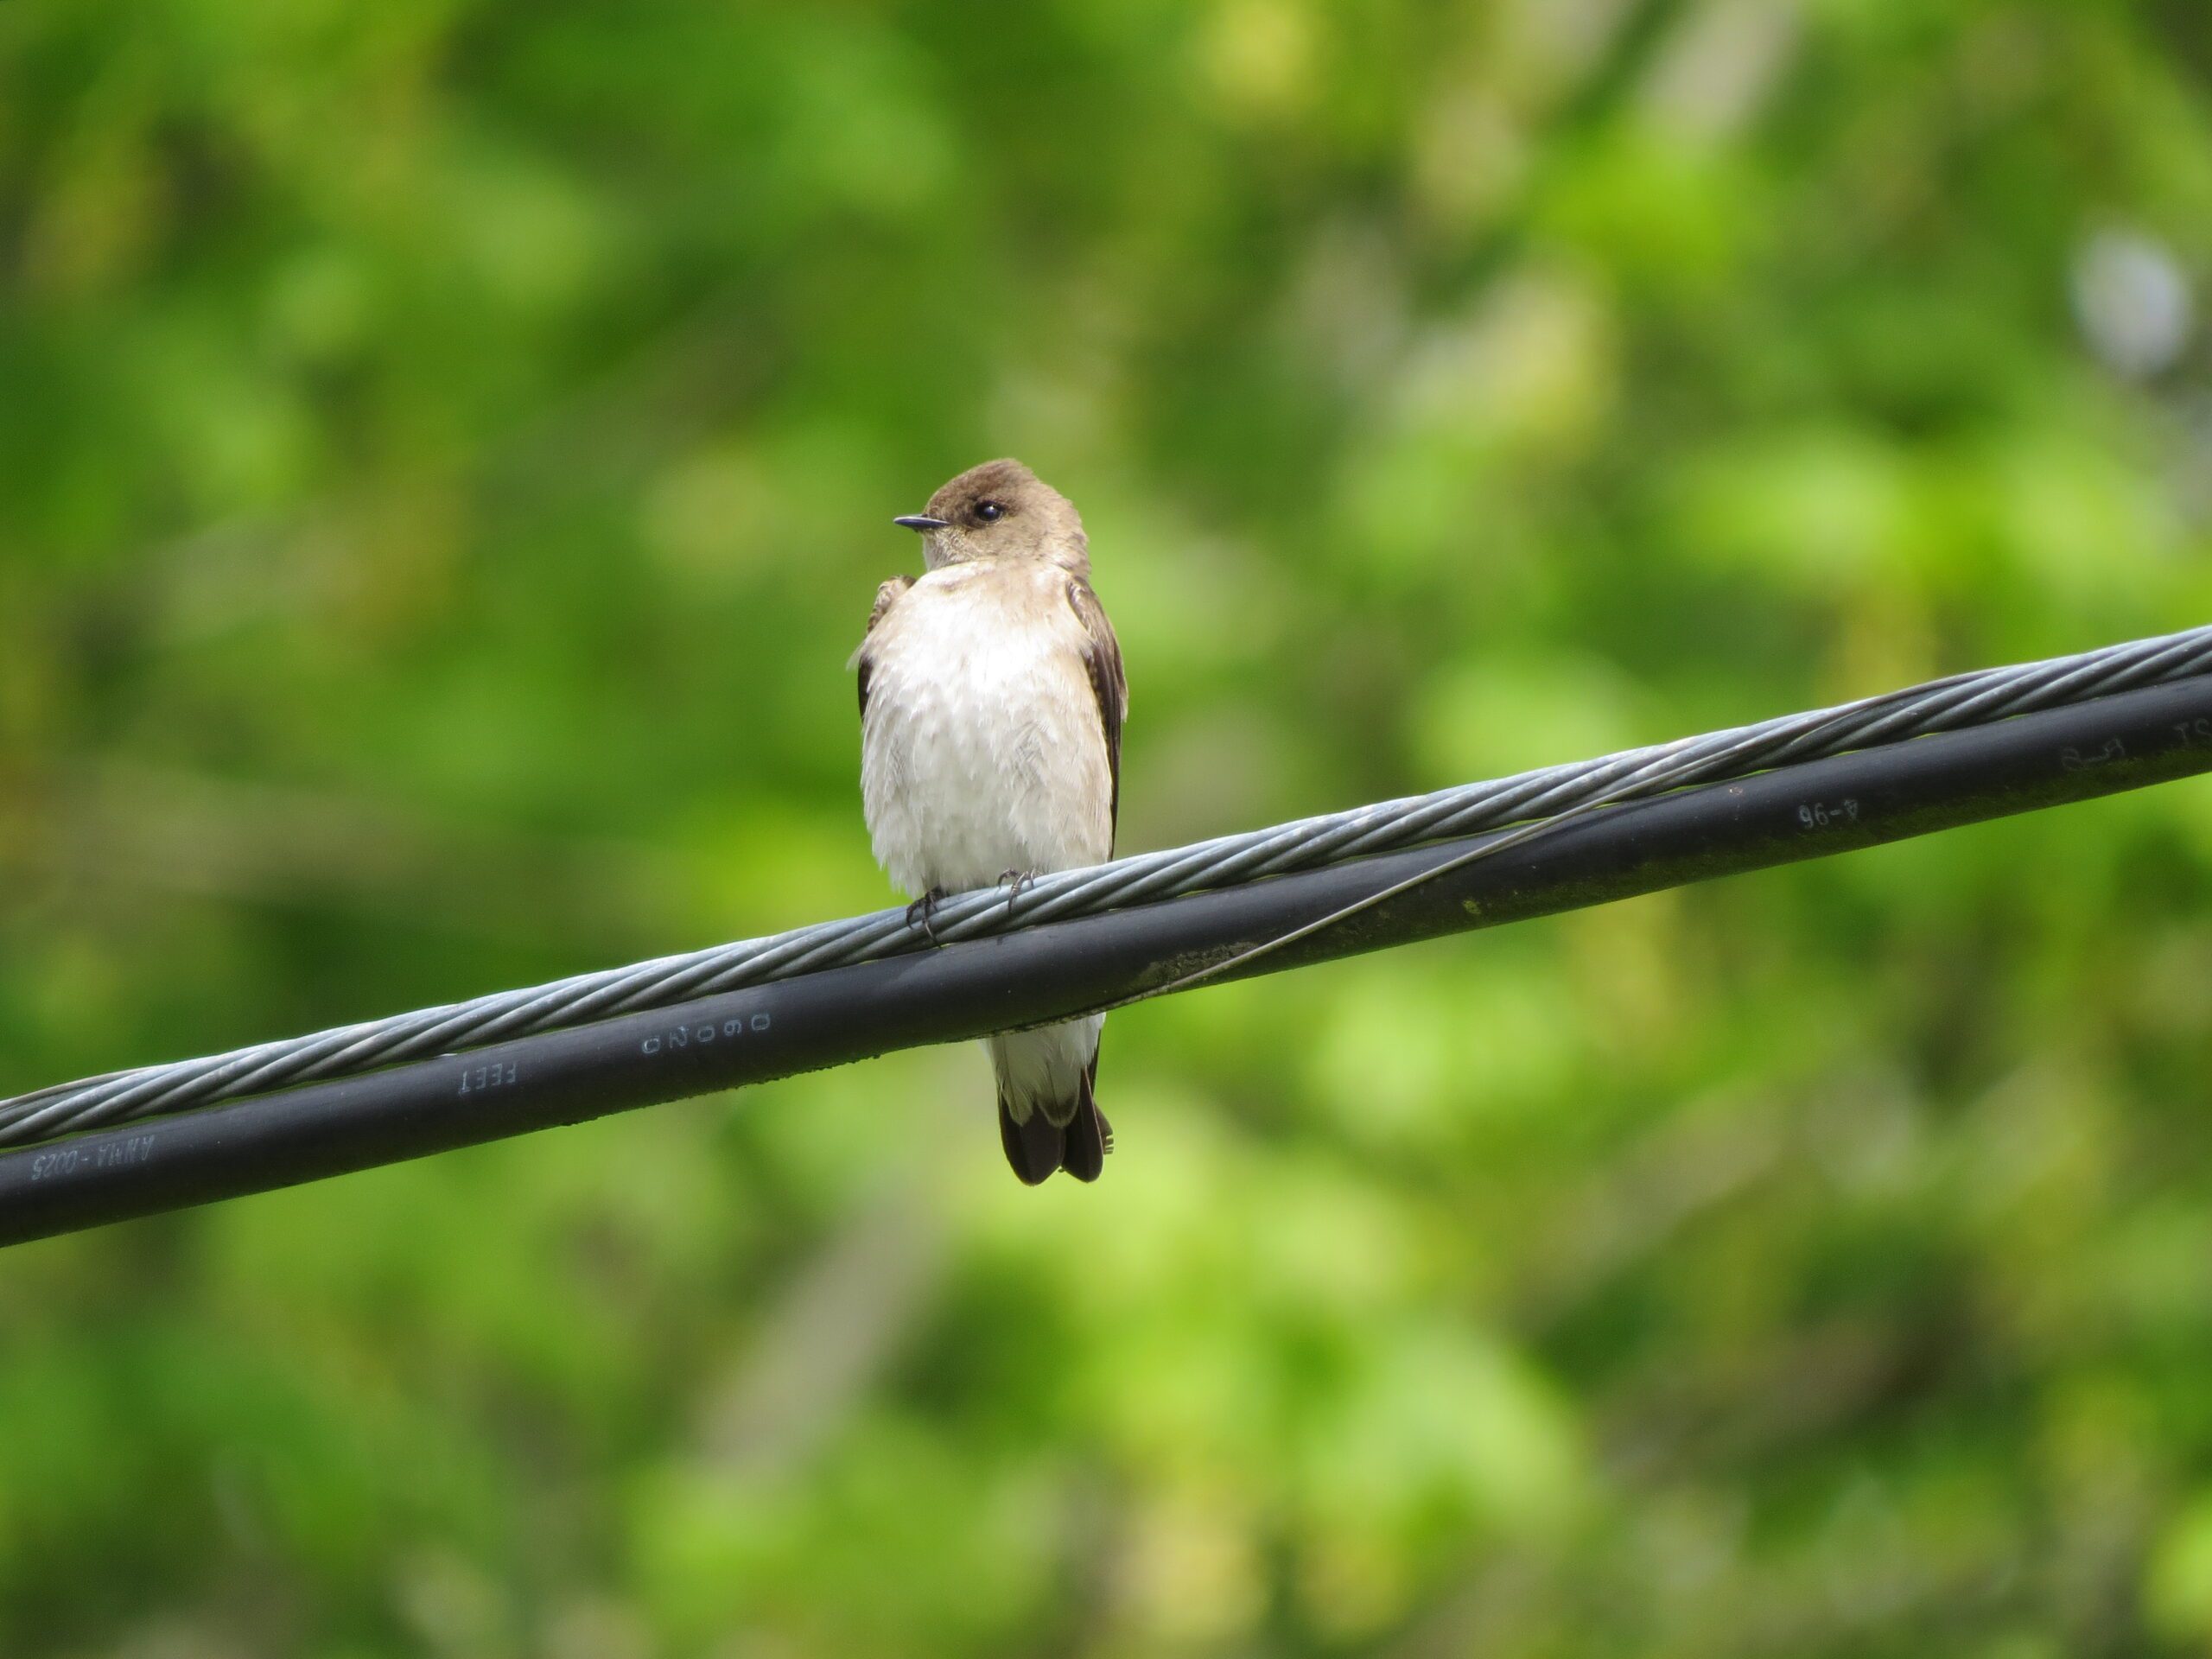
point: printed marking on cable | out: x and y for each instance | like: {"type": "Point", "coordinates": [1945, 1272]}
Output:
{"type": "Point", "coordinates": [705, 1032]}
{"type": "Point", "coordinates": [475, 1080]}
{"type": "Point", "coordinates": [67, 1160]}
{"type": "Point", "coordinates": [1822, 814]}
{"type": "Point", "coordinates": [2076, 759]}
{"type": "Point", "coordinates": [2193, 732]}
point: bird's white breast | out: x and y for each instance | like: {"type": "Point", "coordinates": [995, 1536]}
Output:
{"type": "Point", "coordinates": [982, 750]}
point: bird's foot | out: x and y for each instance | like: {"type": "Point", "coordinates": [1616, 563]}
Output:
{"type": "Point", "coordinates": [1016, 882]}
{"type": "Point", "coordinates": [922, 914]}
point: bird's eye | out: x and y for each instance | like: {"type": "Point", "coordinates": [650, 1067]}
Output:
{"type": "Point", "coordinates": [989, 511]}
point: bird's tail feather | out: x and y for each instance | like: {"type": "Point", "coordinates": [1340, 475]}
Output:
{"type": "Point", "coordinates": [1083, 1143]}
{"type": "Point", "coordinates": [1035, 1146]}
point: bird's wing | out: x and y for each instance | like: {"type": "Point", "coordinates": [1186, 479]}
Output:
{"type": "Point", "coordinates": [886, 597]}
{"type": "Point", "coordinates": [1102, 656]}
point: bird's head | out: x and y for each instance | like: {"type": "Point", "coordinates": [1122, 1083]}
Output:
{"type": "Point", "coordinates": [1001, 510]}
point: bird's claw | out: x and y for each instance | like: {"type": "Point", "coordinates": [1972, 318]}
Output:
{"type": "Point", "coordinates": [1017, 882]}
{"type": "Point", "coordinates": [922, 914]}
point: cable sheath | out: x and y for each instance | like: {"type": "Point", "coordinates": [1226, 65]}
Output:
{"type": "Point", "coordinates": [1959, 701]}
{"type": "Point", "coordinates": [1808, 809]}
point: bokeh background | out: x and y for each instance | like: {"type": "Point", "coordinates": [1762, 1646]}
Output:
{"type": "Point", "coordinates": [446, 454]}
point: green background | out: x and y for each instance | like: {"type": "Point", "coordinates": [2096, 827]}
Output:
{"type": "Point", "coordinates": [446, 454]}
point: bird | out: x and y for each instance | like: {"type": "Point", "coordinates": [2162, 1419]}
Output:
{"type": "Point", "coordinates": [992, 696]}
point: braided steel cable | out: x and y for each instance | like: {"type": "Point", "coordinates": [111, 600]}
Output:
{"type": "Point", "coordinates": [1557, 792]}
{"type": "Point", "coordinates": [1037, 975]}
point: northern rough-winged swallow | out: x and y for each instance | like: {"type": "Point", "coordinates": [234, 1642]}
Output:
{"type": "Point", "coordinates": [991, 707]}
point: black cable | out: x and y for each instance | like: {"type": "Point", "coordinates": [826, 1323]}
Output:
{"type": "Point", "coordinates": [1804, 811]}
{"type": "Point", "coordinates": [1977, 697]}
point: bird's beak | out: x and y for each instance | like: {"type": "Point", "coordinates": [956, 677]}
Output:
{"type": "Point", "coordinates": [922, 521]}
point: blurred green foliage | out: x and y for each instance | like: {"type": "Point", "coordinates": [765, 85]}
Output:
{"type": "Point", "coordinates": [446, 450]}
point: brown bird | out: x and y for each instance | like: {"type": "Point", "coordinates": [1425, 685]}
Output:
{"type": "Point", "coordinates": [991, 705]}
